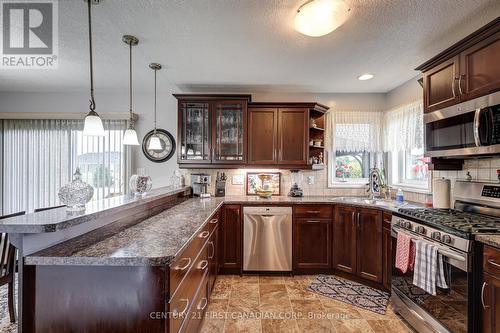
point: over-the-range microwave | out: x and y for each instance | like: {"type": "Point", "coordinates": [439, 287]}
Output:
{"type": "Point", "coordinates": [465, 130]}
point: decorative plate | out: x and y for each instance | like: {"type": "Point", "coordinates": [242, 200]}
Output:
{"type": "Point", "coordinates": [167, 143]}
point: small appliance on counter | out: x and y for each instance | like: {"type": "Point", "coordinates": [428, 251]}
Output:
{"type": "Point", "coordinates": [220, 184]}
{"type": "Point", "coordinates": [295, 190]}
{"type": "Point", "coordinates": [200, 183]}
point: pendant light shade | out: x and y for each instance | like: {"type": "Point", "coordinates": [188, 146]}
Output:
{"type": "Point", "coordinates": [317, 18]}
{"type": "Point", "coordinates": [154, 142]}
{"type": "Point", "coordinates": [93, 123]}
{"type": "Point", "coordinates": [130, 135]}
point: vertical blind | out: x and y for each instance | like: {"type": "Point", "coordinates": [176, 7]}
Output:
{"type": "Point", "coordinates": [40, 156]}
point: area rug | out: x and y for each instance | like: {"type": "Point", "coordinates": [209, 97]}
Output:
{"type": "Point", "coordinates": [351, 293]}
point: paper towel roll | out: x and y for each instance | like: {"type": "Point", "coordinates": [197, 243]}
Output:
{"type": "Point", "coordinates": [441, 193]}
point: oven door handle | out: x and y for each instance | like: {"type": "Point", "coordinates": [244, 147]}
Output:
{"type": "Point", "coordinates": [394, 233]}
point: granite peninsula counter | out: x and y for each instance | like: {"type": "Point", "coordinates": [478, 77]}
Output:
{"type": "Point", "coordinates": [160, 238]}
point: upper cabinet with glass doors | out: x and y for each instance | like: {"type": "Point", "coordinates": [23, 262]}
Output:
{"type": "Point", "coordinates": [212, 129]}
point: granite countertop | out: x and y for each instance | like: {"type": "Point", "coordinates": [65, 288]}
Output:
{"type": "Point", "coordinates": [58, 219]}
{"type": "Point", "coordinates": [493, 240]}
{"type": "Point", "coordinates": [159, 239]}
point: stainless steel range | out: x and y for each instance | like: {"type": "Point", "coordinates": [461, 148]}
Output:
{"type": "Point", "coordinates": [456, 309]}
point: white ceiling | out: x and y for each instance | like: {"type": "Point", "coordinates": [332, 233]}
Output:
{"type": "Point", "coordinates": [250, 45]}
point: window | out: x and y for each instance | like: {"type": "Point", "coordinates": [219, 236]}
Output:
{"type": "Point", "coordinates": [353, 166]}
{"type": "Point", "coordinates": [40, 156]}
{"type": "Point", "coordinates": [403, 138]}
{"type": "Point", "coordinates": [356, 147]}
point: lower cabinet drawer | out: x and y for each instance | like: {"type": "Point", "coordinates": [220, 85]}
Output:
{"type": "Point", "coordinates": [313, 211]}
{"type": "Point", "coordinates": [491, 260]}
{"type": "Point", "coordinates": [197, 313]}
{"type": "Point", "coordinates": [184, 298]}
{"type": "Point", "coordinates": [186, 260]}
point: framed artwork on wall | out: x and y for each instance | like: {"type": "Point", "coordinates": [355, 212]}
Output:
{"type": "Point", "coordinates": [255, 180]}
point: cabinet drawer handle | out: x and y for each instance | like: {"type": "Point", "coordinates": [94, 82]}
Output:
{"type": "Point", "coordinates": [204, 234]}
{"type": "Point", "coordinates": [313, 212]}
{"type": "Point", "coordinates": [183, 268]}
{"type": "Point", "coordinates": [185, 308]}
{"type": "Point", "coordinates": [205, 303]}
{"type": "Point", "coordinates": [203, 265]}
{"type": "Point", "coordinates": [313, 221]}
{"type": "Point", "coordinates": [482, 296]}
{"type": "Point", "coordinates": [212, 246]}
{"type": "Point", "coordinates": [214, 221]}
{"type": "Point", "coordinates": [493, 263]}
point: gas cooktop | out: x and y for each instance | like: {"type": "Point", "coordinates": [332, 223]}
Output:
{"type": "Point", "coordinates": [452, 219]}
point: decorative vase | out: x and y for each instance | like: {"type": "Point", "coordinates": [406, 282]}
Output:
{"type": "Point", "coordinates": [140, 184]}
{"type": "Point", "coordinates": [76, 194]}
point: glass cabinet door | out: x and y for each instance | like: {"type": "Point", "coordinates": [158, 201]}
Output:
{"type": "Point", "coordinates": [230, 117]}
{"type": "Point", "coordinates": [195, 132]}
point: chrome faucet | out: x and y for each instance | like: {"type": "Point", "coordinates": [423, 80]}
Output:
{"type": "Point", "coordinates": [376, 182]}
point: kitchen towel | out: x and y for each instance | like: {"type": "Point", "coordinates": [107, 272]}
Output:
{"type": "Point", "coordinates": [441, 193]}
{"type": "Point", "coordinates": [405, 252]}
{"type": "Point", "coordinates": [429, 267]}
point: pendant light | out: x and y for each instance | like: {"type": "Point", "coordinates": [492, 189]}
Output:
{"type": "Point", "coordinates": [93, 123]}
{"type": "Point", "coordinates": [130, 135]}
{"type": "Point", "coordinates": [154, 141]}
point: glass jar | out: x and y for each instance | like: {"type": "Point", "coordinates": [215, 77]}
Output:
{"type": "Point", "coordinates": [76, 194]}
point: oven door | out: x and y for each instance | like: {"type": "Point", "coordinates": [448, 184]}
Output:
{"type": "Point", "coordinates": [448, 311]}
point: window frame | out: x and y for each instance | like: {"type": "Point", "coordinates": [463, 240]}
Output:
{"type": "Point", "coordinates": [396, 172]}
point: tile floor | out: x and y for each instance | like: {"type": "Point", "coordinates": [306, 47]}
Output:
{"type": "Point", "coordinates": [282, 304]}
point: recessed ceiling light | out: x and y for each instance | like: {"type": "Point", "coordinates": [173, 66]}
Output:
{"type": "Point", "coordinates": [365, 77]}
{"type": "Point", "coordinates": [317, 18]}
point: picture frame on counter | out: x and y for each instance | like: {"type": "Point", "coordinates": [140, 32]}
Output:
{"type": "Point", "coordinates": [253, 181]}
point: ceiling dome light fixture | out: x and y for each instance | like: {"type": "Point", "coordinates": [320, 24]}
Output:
{"type": "Point", "coordinates": [154, 142]}
{"type": "Point", "coordinates": [130, 135]}
{"type": "Point", "coordinates": [317, 18]}
{"type": "Point", "coordinates": [93, 123]}
{"type": "Point", "coordinates": [365, 77]}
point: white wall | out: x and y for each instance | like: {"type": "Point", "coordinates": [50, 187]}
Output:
{"type": "Point", "coordinates": [109, 102]}
{"type": "Point", "coordinates": [405, 93]}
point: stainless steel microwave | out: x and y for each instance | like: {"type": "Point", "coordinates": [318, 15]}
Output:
{"type": "Point", "coordinates": [465, 130]}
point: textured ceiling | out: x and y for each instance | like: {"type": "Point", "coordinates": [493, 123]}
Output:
{"type": "Point", "coordinates": [250, 45]}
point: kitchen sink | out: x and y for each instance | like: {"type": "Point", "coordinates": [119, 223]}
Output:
{"type": "Point", "coordinates": [366, 201]}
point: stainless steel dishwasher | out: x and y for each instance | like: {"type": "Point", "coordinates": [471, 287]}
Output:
{"type": "Point", "coordinates": [267, 238]}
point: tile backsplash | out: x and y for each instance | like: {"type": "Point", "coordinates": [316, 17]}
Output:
{"type": "Point", "coordinates": [480, 170]}
{"type": "Point", "coordinates": [319, 187]}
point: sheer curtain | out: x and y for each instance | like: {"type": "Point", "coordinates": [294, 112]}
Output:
{"type": "Point", "coordinates": [40, 156]}
{"type": "Point", "coordinates": [356, 131]}
{"type": "Point", "coordinates": [404, 127]}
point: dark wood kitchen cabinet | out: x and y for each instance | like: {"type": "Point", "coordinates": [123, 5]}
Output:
{"type": "Point", "coordinates": [387, 251]}
{"type": "Point", "coordinates": [369, 244]}
{"type": "Point", "coordinates": [344, 239]}
{"type": "Point", "coordinates": [262, 135]}
{"type": "Point", "coordinates": [312, 238]}
{"type": "Point", "coordinates": [466, 70]}
{"type": "Point", "coordinates": [440, 85]}
{"type": "Point", "coordinates": [490, 291]}
{"type": "Point", "coordinates": [358, 242]}
{"type": "Point", "coordinates": [278, 134]}
{"type": "Point", "coordinates": [293, 136]}
{"type": "Point", "coordinates": [480, 68]}
{"type": "Point", "coordinates": [212, 130]}
{"type": "Point", "coordinates": [230, 247]}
